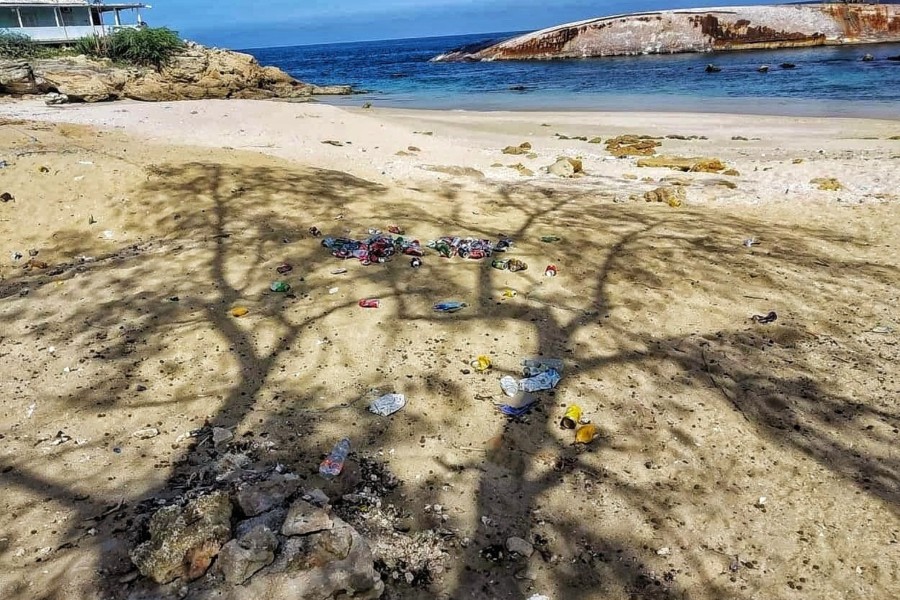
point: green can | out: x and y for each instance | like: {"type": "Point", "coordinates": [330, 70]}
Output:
{"type": "Point", "coordinates": [280, 286]}
{"type": "Point", "coordinates": [501, 264]}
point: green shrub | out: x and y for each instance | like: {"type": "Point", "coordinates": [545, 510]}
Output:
{"type": "Point", "coordinates": [145, 46]}
{"type": "Point", "coordinates": [16, 45]}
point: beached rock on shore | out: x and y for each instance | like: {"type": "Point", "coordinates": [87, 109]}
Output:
{"type": "Point", "coordinates": [196, 73]}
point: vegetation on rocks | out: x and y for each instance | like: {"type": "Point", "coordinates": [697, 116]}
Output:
{"type": "Point", "coordinates": [151, 47]}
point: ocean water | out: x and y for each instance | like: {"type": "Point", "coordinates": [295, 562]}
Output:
{"type": "Point", "coordinates": [827, 81]}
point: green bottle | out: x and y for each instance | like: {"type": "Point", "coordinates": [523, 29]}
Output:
{"type": "Point", "coordinates": [280, 286]}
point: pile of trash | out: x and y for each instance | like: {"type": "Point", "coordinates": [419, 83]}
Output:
{"type": "Point", "coordinates": [539, 374]}
{"type": "Point", "coordinates": [473, 248]}
{"type": "Point", "coordinates": [377, 248]}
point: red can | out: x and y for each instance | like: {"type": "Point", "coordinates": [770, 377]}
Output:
{"type": "Point", "coordinates": [370, 303]}
{"type": "Point", "coordinates": [550, 271]}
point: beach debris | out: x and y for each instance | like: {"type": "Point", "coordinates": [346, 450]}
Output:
{"type": "Point", "coordinates": [333, 142]}
{"type": "Point", "coordinates": [764, 319]}
{"type": "Point", "coordinates": [146, 433]}
{"type": "Point", "coordinates": [338, 271]}
{"type": "Point", "coordinates": [449, 306]}
{"type": "Point", "coordinates": [882, 329]}
{"type": "Point", "coordinates": [415, 262]}
{"type": "Point", "coordinates": [632, 145]}
{"type": "Point", "coordinates": [571, 418]}
{"type": "Point", "coordinates": [550, 239]}
{"type": "Point", "coordinates": [762, 69]}
{"type": "Point", "coordinates": [239, 311]}
{"type": "Point", "coordinates": [787, 65]}
{"type": "Point", "coordinates": [535, 366]}
{"type": "Point", "coordinates": [566, 167]}
{"type": "Point", "coordinates": [482, 363]}
{"type": "Point", "coordinates": [280, 287]}
{"type": "Point", "coordinates": [509, 293]}
{"type": "Point", "coordinates": [333, 464]}
{"type": "Point", "coordinates": [711, 68]}
{"type": "Point", "coordinates": [827, 184]}
{"type": "Point", "coordinates": [586, 434]}
{"type": "Point", "coordinates": [522, 148]}
{"type": "Point", "coordinates": [378, 248]}
{"type": "Point", "coordinates": [333, 290]}
{"type": "Point", "coordinates": [674, 196]}
{"type": "Point", "coordinates": [284, 268]}
{"type": "Point", "coordinates": [370, 303]}
{"type": "Point", "coordinates": [411, 149]}
{"type": "Point", "coordinates": [424, 132]}
{"type": "Point", "coordinates": [473, 248]}
{"type": "Point", "coordinates": [517, 88]}
{"type": "Point", "coordinates": [750, 242]}
{"type": "Point", "coordinates": [6, 197]}
{"type": "Point", "coordinates": [388, 404]}
{"type": "Point", "coordinates": [367, 105]}
{"type": "Point", "coordinates": [684, 164]}
{"type": "Point", "coordinates": [550, 271]}
{"type": "Point", "coordinates": [509, 264]}
{"type": "Point", "coordinates": [314, 231]}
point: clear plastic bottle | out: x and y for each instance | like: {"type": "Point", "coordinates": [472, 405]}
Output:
{"type": "Point", "coordinates": [542, 381]}
{"type": "Point", "coordinates": [333, 464]}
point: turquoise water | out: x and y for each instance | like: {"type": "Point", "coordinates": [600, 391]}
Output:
{"type": "Point", "coordinates": [831, 81]}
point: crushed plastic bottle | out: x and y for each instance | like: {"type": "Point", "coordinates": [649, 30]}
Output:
{"type": "Point", "coordinates": [509, 386]}
{"type": "Point", "coordinates": [535, 366]}
{"type": "Point", "coordinates": [449, 306]}
{"type": "Point", "coordinates": [333, 464]}
{"type": "Point", "coordinates": [388, 404]}
{"type": "Point", "coordinates": [543, 381]}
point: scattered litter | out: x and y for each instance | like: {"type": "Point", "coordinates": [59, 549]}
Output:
{"type": "Point", "coordinates": [512, 264]}
{"type": "Point", "coordinates": [146, 434]}
{"type": "Point", "coordinates": [508, 293]}
{"type": "Point", "coordinates": [539, 597]}
{"type": "Point", "coordinates": [586, 434]}
{"type": "Point", "coordinates": [284, 268]}
{"type": "Point", "coordinates": [482, 363]}
{"type": "Point", "coordinates": [463, 247]}
{"type": "Point", "coordinates": [314, 231]}
{"type": "Point", "coordinates": [280, 287]}
{"type": "Point", "coordinates": [3, 164]}
{"type": "Point", "coordinates": [534, 366]}
{"type": "Point", "coordinates": [339, 271]}
{"type": "Point", "coordinates": [509, 385]}
{"type": "Point", "coordinates": [333, 290]}
{"type": "Point", "coordinates": [395, 229]}
{"type": "Point", "coordinates": [369, 303]}
{"type": "Point", "coordinates": [882, 329]}
{"type": "Point", "coordinates": [764, 319]}
{"type": "Point", "coordinates": [388, 404]}
{"type": "Point", "coordinates": [416, 262]}
{"type": "Point", "coordinates": [449, 306]}
{"type": "Point", "coordinates": [665, 551]}
{"type": "Point", "coordinates": [549, 239]}
{"type": "Point", "coordinates": [30, 410]}
{"type": "Point", "coordinates": [550, 271]}
{"type": "Point", "coordinates": [544, 381]}
{"type": "Point", "coordinates": [239, 311]}
{"type": "Point", "coordinates": [571, 418]}
{"type": "Point", "coordinates": [750, 242]}
{"type": "Point", "coordinates": [333, 464]}
{"type": "Point", "coordinates": [6, 197]}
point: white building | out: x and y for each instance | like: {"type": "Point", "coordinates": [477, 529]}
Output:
{"type": "Point", "coordinates": [60, 21]}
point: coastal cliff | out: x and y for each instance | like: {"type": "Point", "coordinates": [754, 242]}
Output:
{"type": "Point", "coordinates": [700, 30]}
{"type": "Point", "coordinates": [194, 73]}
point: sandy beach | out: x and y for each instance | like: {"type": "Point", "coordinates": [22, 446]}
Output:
{"type": "Point", "coordinates": [735, 459]}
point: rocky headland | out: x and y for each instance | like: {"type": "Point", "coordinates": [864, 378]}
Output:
{"type": "Point", "coordinates": [195, 73]}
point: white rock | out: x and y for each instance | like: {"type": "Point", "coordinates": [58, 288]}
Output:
{"type": "Point", "coordinates": [519, 546]}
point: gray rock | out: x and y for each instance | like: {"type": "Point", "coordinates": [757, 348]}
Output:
{"type": "Point", "coordinates": [304, 518]}
{"type": "Point", "coordinates": [54, 99]}
{"type": "Point", "coordinates": [301, 553]}
{"type": "Point", "coordinates": [325, 575]}
{"type": "Point", "coordinates": [317, 497]}
{"type": "Point", "coordinates": [220, 435]}
{"type": "Point", "coordinates": [258, 498]}
{"type": "Point", "coordinates": [183, 542]}
{"type": "Point", "coordinates": [240, 558]}
{"type": "Point", "coordinates": [272, 519]}
{"type": "Point", "coordinates": [519, 546]}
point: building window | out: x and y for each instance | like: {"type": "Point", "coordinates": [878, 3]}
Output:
{"type": "Point", "coordinates": [8, 18]}
{"type": "Point", "coordinates": [38, 17]}
{"type": "Point", "coordinates": [75, 17]}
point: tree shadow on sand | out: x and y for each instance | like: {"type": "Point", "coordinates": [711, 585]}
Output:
{"type": "Point", "coordinates": [669, 397]}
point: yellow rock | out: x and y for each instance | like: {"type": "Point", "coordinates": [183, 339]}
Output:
{"type": "Point", "coordinates": [828, 184]}
{"type": "Point", "coordinates": [239, 311]}
{"type": "Point", "coordinates": [673, 196]}
{"type": "Point", "coordinates": [691, 165]}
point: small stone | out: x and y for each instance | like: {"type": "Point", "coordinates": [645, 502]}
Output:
{"type": "Point", "coordinates": [220, 435]}
{"type": "Point", "coordinates": [257, 498]}
{"type": "Point", "coordinates": [146, 434]}
{"type": "Point", "coordinates": [519, 546]}
{"type": "Point", "coordinates": [240, 558]}
{"type": "Point", "coordinates": [663, 551]}
{"type": "Point", "coordinates": [317, 497]}
{"type": "Point", "coordinates": [304, 518]}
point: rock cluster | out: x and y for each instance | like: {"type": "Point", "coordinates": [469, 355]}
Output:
{"type": "Point", "coordinates": [284, 544]}
{"type": "Point", "coordinates": [195, 73]}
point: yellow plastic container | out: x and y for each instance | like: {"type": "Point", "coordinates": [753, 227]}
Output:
{"type": "Point", "coordinates": [571, 418]}
{"type": "Point", "coordinates": [586, 434]}
{"type": "Point", "coordinates": [482, 363]}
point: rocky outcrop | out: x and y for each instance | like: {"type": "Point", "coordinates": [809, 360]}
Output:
{"type": "Point", "coordinates": [700, 30]}
{"type": "Point", "coordinates": [195, 73]}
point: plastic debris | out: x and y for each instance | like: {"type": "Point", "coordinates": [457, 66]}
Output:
{"type": "Point", "coordinates": [239, 311]}
{"type": "Point", "coordinates": [764, 319]}
{"type": "Point", "coordinates": [543, 381]}
{"type": "Point", "coordinates": [378, 248]}
{"type": "Point", "coordinates": [515, 265]}
{"type": "Point", "coordinates": [449, 306]}
{"type": "Point", "coordinates": [586, 434]}
{"type": "Point", "coordinates": [549, 239]}
{"type": "Point", "coordinates": [534, 366]}
{"type": "Point", "coordinates": [280, 287]}
{"type": "Point", "coordinates": [388, 404]}
{"type": "Point", "coordinates": [416, 262]}
{"type": "Point", "coordinates": [369, 303]}
{"type": "Point", "coordinates": [509, 385]}
{"type": "Point", "coordinates": [284, 268]}
{"type": "Point", "coordinates": [508, 293]}
{"type": "Point", "coordinates": [482, 363]}
{"type": "Point", "coordinates": [463, 247]}
{"type": "Point", "coordinates": [550, 271]}
{"type": "Point", "coordinates": [333, 464]}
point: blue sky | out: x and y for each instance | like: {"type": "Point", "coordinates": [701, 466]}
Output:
{"type": "Point", "coordinates": [255, 23]}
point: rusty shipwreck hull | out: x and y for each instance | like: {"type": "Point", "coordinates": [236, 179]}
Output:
{"type": "Point", "coordinates": [701, 30]}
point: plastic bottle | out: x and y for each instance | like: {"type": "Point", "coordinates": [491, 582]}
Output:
{"type": "Point", "coordinates": [333, 464]}
{"type": "Point", "coordinates": [449, 306]}
{"type": "Point", "coordinates": [509, 386]}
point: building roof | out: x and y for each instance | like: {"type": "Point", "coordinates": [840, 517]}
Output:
{"type": "Point", "coordinates": [67, 3]}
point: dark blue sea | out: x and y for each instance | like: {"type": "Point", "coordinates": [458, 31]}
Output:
{"type": "Point", "coordinates": [827, 81]}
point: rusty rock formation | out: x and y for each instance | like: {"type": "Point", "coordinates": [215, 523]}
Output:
{"type": "Point", "coordinates": [700, 30]}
